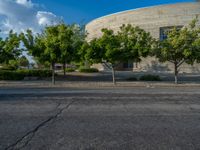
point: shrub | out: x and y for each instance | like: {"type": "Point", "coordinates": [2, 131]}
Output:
{"type": "Point", "coordinates": [88, 70]}
{"type": "Point", "coordinates": [36, 73]}
{"type": "Point", "coordinates": [20, 74]}
{"type": "Point", "coordinates": [70, 70]}
{"type": "Point", "coordinates": [11, 75]}
{"type": "Point", "coordinates": [45, 73]}
{"type": "Point", "coordinates": [150, 78]}
{"type": "Point", "coordinates": [132, 79]}
{"type": "Point", "coordinates": [8, 67]}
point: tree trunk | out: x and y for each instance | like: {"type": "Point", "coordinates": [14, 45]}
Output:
{"type": "Point", "coordinates": [64, 68]}
{"type": "Point", "coordinates": [176, 73]}
{"type": "Point", "coordinates": [136, 65]}
{"type": "Point", "coordinates": [113, 75]}
{"type": "Point", "coordinates": [86, 64]}
{"type": "Point", "coordinates": [53, 73]}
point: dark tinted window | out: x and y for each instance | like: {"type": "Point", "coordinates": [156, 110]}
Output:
{"type": "Point", "coordinates": [165, 30]}
{"type": "Point", "coordinates": [128, 65]}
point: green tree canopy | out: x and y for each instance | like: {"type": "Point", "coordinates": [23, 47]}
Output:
{"type": "Point", "coordinates": [179, 47]}
{"type": "Point", "coordinates": [78, 39]}
{"type": "Point", "coordinates": [2, 43]}
{"type": "Point", "coordinates": [28, 40]}
{"type": "Point", "coordinates": [23, 61]}
{"type": "Point", "coordinates": [10, 48]}
{"type": "Point", "coordinates": [65, 34]}
{"type": "Point", "coordinates": [106, 50]}
{"type": "Point", "coordinates": [56, 44]}
{"type": "Point", "coordinates": [129, 43]}
{"type": "Point", "coordinates": [135, 42]}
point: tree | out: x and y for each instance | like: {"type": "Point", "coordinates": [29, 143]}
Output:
{"type": "Point", "coordinates": [10, 48]}
{"type": "Point", "coordinates": [82, 53]}
{"type": "Point", "coordinates": [94, 53]}
{"type": "Point", "coordinates": [106, 50]}
{"type": "Point", "coordinates": [196, 46]}
{"type": "Point", "coordinates": [197, 52]}
{"type": "Point", "coordinates": [135, 42]}
{"type": "Point", "coordinates": [34, 46]}
{"type": "Point", "coordinates": [66, 38]}
{"type": "Point", "coordinates": [178, 47]}
{"type": "Point", "coordinates": [51, 44]}
{"type": "Point", "coordinates": [129, 43]}
{"type": "Point", "coordinates": [79, 39]}
{"type": "Point", "coordinates": [56, 44]}
{"type": "Point", "coordinates": [66, 44]}
{"type": "Point", "coordinates": [28, 40]}
{"type": "Point", "coordinates": [13, 64]}
{"type": "Point", "coordinates": [23, 61]}
{"type": "Point", "coordinates": [71, 38]}
{"type": "Point", "coordinates": [44, 47]}
{"type": "Point", "coordinates": [2, 43]}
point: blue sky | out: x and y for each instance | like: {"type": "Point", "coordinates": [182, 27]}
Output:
{"type": "Point", "coordinates": [85, 10]}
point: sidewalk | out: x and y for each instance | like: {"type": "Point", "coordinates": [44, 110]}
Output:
{"type": "Point", "coordinates": [104, 80]}
{"type": "Point", "coordinates": [94, 84]}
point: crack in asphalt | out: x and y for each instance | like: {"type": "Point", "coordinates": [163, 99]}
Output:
{"type": "Point", "coordinates": [25, 140]}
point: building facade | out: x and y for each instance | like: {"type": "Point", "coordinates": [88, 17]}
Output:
{"type": "Point", "coordinates": [156, 20]}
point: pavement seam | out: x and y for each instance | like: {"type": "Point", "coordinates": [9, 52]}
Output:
{"type": "Point", "coordinates": [25, 140]}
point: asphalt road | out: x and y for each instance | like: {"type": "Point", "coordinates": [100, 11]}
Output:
{"type": "Point", "coordinates": [100, 119]}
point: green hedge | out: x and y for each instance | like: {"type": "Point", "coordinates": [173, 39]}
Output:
{"type": "Point", "coordinates": [132, 79]}
{"type": "Point", "coordinates": [8, 67]}
{"type": "Point", "coordinates": [11, 75]}
{"type": "Point", "coordinates": [70, 70]}
{"type": "Point", "coordinates": [36, 73]}
{"type": "Point", "coordinates": [88, 70]}
{"type": "Point", "coordinates": [21, 74]}
{"type": "Point", "coordinates": [150, 77]}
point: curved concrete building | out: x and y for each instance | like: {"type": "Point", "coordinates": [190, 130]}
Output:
{"type": "Point", "coordinates": [156, 20]}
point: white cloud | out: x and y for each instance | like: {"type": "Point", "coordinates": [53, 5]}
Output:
{"type": "Point", "coordinates": [26, 3]}
{"type": "Point", "coordinates": [20, 15]}
{"type": "Point", "coordinates": [46, 18]}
